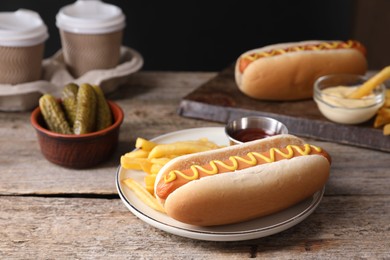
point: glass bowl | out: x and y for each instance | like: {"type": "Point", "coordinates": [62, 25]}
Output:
{"type": "Point", "coordinates": [341, 109]}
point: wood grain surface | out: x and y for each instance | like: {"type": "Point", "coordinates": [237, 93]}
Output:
{"type": "Point", "coordinates": [50, 212]}
{"type": "Point", "coordinates": [85, 228]}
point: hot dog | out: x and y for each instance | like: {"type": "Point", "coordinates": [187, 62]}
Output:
{"type": "Point", "coordinates": [241, 182]}
{"type": "Point", "coordinates": [287, 71]}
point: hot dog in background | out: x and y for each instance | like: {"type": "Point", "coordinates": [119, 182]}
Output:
{"type": "Point", "coordinates": [241, 182]}
{"type": "Point", "coordinates": [287, 71]}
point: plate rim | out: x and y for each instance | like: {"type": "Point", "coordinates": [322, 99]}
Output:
{"type": "Point", "coordinates": [217, 235]}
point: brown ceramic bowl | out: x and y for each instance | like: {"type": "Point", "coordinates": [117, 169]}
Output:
{"type": "Point", "coordinates": [78, 151]}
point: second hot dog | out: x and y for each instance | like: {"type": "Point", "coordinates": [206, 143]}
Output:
{"type": "Point", "coordinates": [287, 71]}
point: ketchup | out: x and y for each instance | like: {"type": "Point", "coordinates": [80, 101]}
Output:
{"type": "Point", "coordinates": [250, 134]}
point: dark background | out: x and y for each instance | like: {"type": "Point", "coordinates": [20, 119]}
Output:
{"type": "Point", "coordinates": [210, 35]}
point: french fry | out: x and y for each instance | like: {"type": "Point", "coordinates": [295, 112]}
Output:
{"type": "Point", "coordinates": [160, 161]}
{"type": "Point", "coordinates": [378, 122]}
{"type": "Point", "coordinates": [149, 182]}
{"type": "Point", "coordinates": [178, 148]}
{"type": "Point", "coordinates": [382, 118]}
{"type": "Point", "coordinates": [150, 189]}
{"type": "Point", "coordinates": [386, 129]}
{"type": "Point", "coordinates": [143, 194]}
{"type": "Point", "coordinates": [366, 88]}
{"type": "Point", "coordinates": [137, 154]}
{"type": "Point", "coordinates": [155, 168]}
{"type": "Point", "coordinates": [132, 163]}
{"type": "Point", "coordinates": [144, 144]}
{"type": "Point", "coordinates": [387, 98]}
{"type": "Point", "coordinates": [146, 166]}
{"type": "Point", "coordinates": [149, 179]}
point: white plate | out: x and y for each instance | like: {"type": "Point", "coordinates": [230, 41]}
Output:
{"type": "Point", "coordinates": [257, 228]}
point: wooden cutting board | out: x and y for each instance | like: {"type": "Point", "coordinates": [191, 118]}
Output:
{"type": "Point", "coordinates": [220, 100]}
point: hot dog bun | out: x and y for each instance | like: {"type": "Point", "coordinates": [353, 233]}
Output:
{"type": "Point", "coordinates": [291, 75]}
{"type": "Point", "coordinates": [244, 194]}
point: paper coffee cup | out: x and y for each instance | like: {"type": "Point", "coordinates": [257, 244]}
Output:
{"type": "Point", "coordinates": [91, 35]}
{"type": "Point", "coordinates": [22, 37]}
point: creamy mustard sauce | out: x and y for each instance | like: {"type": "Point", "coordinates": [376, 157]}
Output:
{"type": "Point", "coordinates": [337, 107]}
{"type": "Point", "coordinates": [337, 96]}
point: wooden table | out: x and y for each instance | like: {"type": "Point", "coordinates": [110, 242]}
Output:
{"type": "Point", "coordinates": [49, 212]}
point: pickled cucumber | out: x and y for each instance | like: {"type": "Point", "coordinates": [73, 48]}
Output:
{"type": "Point", "coordinates": [103, 113]}
{"type": "Point", "coordinates": [53, 115]}
{"type": "Point", "coordinates": [69, 102]}
{"type": "Point", "coordinates": [86, 110]}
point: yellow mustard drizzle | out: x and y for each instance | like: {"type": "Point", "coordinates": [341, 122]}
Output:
{"type": "Point", "coordinates": [252, 160]}
{"type": "Point", "coordinates": [320, 46]}
{"type": "Point", "coordinates": [232, 167]}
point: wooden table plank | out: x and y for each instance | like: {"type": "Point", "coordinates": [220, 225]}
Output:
{"type": "Point", "coordinates": [74, 228]}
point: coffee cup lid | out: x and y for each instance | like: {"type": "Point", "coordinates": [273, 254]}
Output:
{"type": "Point", "coordinates": [22, 28]}
{"type": "Point", "coordinates": [90, 17]}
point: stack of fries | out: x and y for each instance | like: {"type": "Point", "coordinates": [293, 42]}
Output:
{"type": "Point", "coordinates": [150, 157]}
{"type": "Point", "coordinates": [382, 118]}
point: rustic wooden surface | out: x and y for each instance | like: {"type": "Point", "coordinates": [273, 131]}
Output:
{"type": "Point", "coordinates": [220, 100]}
{"type": "Point", "coordinates": [49, 212]}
